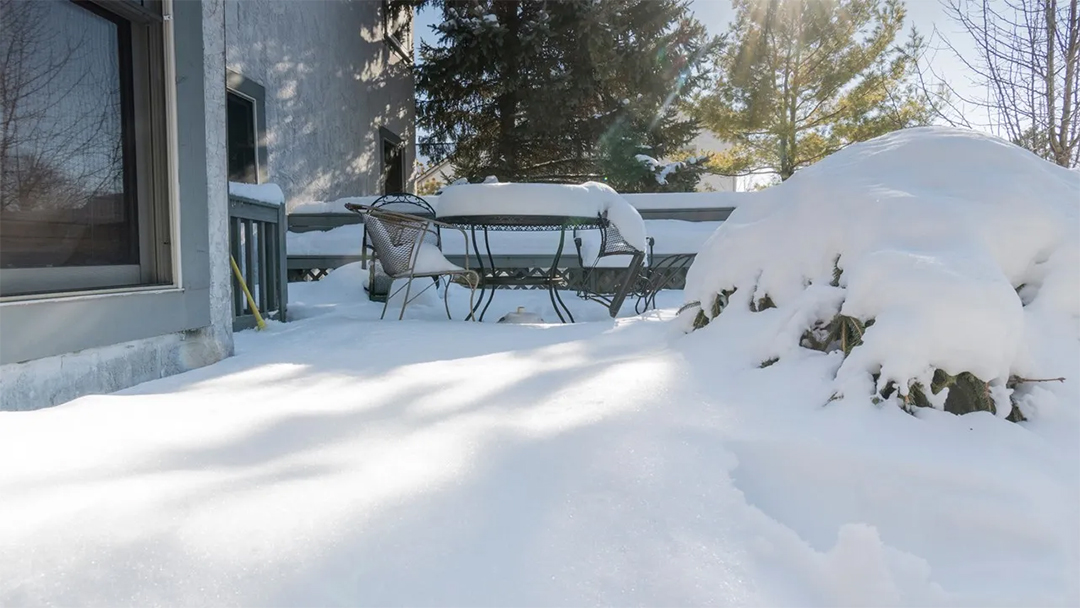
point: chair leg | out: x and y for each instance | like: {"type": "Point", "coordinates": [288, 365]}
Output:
{"type": "Point", "coordinates": [446, 298]}
{"type": "Point", "coordinates": [405, 302]}
{"type": "Point", "coordinates": [384, 306]}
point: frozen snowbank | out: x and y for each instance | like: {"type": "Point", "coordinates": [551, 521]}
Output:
{"type": "Point", "coordinates": [960, 249]}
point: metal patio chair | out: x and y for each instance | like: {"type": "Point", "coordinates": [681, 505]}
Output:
{"type": "Point", "coordinates": [407, 247]}
{"type": "Point", "coordinates": [649, 278]}
{"type": "Point", "coordinates": [379, 282]}
{"type": "Point", "coordinates": [605, 287]}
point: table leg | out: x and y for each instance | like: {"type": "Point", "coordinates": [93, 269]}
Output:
{"type": "Point", "coordinates": [553, 292]}
{"type": "Point", "coordinates": [480, 261]}
{"type": "Point", "coordinates": [491, 261]}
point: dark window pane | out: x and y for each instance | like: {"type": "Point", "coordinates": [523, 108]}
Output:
{"type": "Point", "coordinates": [66, 194]}
{"type": "Point", "coordinates": [241, 139]}
{"type": "Point", "coordinates": [394, 168]}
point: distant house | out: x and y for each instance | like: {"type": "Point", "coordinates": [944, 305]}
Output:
{"type": "Point", "coordinates": [706, 142]}
{"type": "Point", "coordinates": [114, 244]}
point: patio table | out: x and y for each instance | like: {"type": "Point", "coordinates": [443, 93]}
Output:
{"type": "Point", "coordinates": [489, 275]}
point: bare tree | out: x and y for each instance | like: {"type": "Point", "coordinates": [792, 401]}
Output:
{"type": "Point", "coordinates": [1026, 65]}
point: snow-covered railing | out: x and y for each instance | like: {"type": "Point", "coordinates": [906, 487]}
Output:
{"type": "Point", "coordinates": [257, 227]}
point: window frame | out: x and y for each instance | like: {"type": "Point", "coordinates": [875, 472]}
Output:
{"type": "Point", "coordinates": [399, 46]}
{"type": "Point", "coordinates": [146, 144]}
{"type": "Point", "coordinates": [386, 136]}
{"type": "Point", "coordinates": [238, 84]}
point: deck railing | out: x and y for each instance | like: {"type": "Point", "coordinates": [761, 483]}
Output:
{"type": "Point", "coordinates": [257, 243]}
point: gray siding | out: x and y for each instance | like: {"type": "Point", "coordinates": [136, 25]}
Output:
{"type": "Point", "coordinates": [331, 81]}
{"type": "Point", "coordinates": [53, 350]}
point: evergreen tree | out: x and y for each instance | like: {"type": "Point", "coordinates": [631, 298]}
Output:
{"type": "Point", "coordinates": [800, 80]}
{"type": "Point", "coordinates": [565, 91]}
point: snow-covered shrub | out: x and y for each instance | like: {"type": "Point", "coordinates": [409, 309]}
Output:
{"type": "Point", "coordinates": [941, 266]}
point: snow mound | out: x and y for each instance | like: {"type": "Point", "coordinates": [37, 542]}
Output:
{"type": "Point", "coordinates": [927, 256]}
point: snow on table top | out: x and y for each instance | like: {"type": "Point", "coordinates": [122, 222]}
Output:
{"type": "Point", "coordinates": [586, 200]}
{"type": "Point", "coordinates": [265, 193]}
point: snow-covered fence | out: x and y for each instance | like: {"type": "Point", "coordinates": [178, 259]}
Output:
{"type": "Point", "coordinates": [257, 243]}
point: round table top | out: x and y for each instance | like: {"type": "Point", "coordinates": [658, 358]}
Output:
{"type": "Point", "coordinates": [523, 223]}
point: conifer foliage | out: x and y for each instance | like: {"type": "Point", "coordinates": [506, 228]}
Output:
{"type": "Point", "coordinates": [801, 79]}
{"type": "Point", "coordinates": [567, 91]}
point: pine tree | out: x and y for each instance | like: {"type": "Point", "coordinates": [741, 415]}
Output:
{"type": "Point", "coordinates": [564, 91]}
{"type": "Point", "coordinates": [800, 80]}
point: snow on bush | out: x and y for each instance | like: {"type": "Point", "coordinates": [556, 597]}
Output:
{"type": "Point", "coordinates": [943, 265]}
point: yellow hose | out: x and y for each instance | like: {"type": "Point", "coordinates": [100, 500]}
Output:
{"type": "Point", "coordinates": [251, 301]}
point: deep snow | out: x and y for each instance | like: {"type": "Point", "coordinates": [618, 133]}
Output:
{"type": "Point", "coordinates": [338, 460]}
{"type": "Point", "coordinates": [960, 247]}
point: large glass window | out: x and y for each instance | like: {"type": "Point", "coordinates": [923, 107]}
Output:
{"type": "Point", "coordinates": [76, 185]}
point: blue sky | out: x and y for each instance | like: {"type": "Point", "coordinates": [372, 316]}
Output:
{"type": "Point", "coordinates": [923, 14]}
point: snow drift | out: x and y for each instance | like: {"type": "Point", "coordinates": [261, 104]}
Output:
{"type": "Point", "coordinates": [934, 259]}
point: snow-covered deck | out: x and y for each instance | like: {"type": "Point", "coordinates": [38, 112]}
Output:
{"type": "Point", "coordinates": [338, 460]}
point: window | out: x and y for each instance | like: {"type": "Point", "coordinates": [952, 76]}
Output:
{"type": "Point", "coordinates": [246, 129]}
{"type": "Point", "coordinates": [393, 162]}
{"type": "Point", "coordinates": [397, 22]}
{"type": "Point", "coordinates": [83, 203]}
{"type": "Point", "coordinates": [243, 165]}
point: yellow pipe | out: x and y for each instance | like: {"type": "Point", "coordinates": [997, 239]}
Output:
{"type": "Point", "coordinates": [251, 301]}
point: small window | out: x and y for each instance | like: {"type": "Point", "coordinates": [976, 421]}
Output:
{"type": "Point", "coordinates": [242, 139]}
{"type": "Point", "coordinates": [245, 114]}
{"type": "Point", "coordinates": [397, 22]}
{"type": "Point", "coordinates": [82, 205]}
{"type": "Point", "coordinates": [393, 163]}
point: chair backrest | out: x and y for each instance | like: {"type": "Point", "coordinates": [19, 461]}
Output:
{"type": "Point", "coordinates": [395, 237]}
{"type": "Point", "coordinates": [613, 243]}
{"type": "Point", "coordinates": [403, 202]}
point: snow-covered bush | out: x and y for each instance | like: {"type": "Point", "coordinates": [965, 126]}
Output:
{"type": "Point", "coordinates": [940, 266]}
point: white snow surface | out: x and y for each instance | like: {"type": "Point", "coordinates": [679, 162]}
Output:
{"type": "Point", "coordinates": [936, 230]}
{"type": "Point", "coordinates": [335, 206]}
{"type": "Point", "coordinates": [671, 236]}
{"type": "Point", "coordinates": [265, 193]}
{"type": "Point", "coordinates": [342, 461]}
{"type": "Point", "coordinates": [586, 200]}
{"type": "Point", "coordinates": [651, 201]}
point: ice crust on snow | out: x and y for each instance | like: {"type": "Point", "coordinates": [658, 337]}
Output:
{"type": "Point", "coordinates": [935, 231]}
{"type": "Point", "coordinates": [586, 200]}
{"type": "Point", "coordinates": [264, 193]}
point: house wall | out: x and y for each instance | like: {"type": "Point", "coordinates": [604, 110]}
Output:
{"type": "Point", "coordinates": [56, 349]}
{"type": "Point", "coordinates": [331, 80]}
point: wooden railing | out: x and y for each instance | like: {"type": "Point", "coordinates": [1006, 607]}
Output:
{"type": "Point", "coordinates": [257, 243]}
{"type": "Point", "coordinates": [314, 267]}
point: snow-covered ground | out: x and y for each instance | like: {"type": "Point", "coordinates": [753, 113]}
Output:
{"type": "Point", "coordinates": [343, 460]}
{"type": "Point", "coordinates": [339, 460]}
